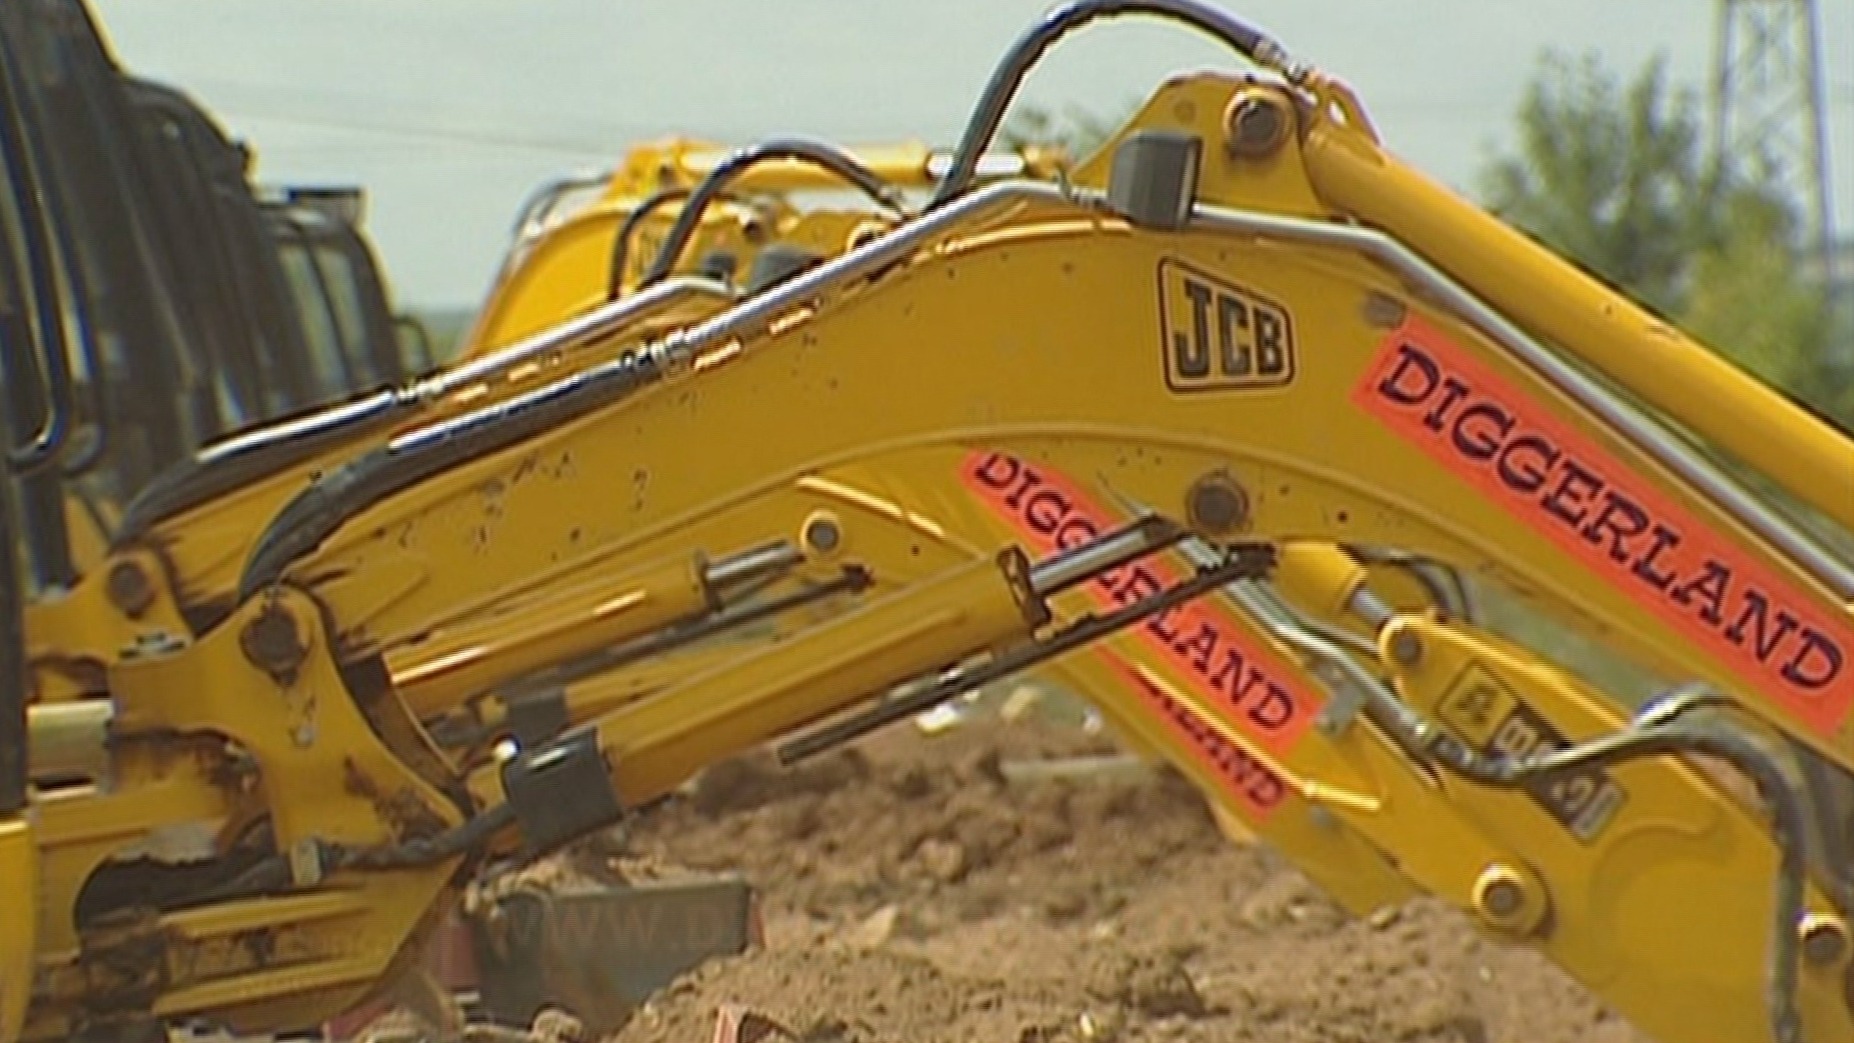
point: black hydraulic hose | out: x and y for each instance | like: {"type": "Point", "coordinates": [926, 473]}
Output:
{"type": "Point", "coordinates": [93, 452]}
{"type": "Point", "coordinates": [41, 448]}
{"type": "Point", "coordinates": [458, 840]}
{"type": "Point", "coordinates": [274, 874]}
{"type": "Point", "coordinates": [1829, 786]}
{"type": "Point", "coordinates": [988, 116]}
{"type": "Point", "coordinates": [817, 153]}
{"type": "Point", "coordinates": [79, 465]}
{"type": "Point", "coordinates": [318, 510]}
{"type": "Point", "coordinates": [621, 242]}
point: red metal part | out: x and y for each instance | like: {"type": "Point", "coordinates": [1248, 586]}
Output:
{"type": "Point", "coordinates": [735, 1023]}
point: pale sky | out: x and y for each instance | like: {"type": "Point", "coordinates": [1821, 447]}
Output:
{"type": "Point", "coordinates": [450, 112]}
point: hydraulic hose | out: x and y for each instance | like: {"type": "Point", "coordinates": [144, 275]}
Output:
{"type": "Point", "coordinates": [1009, 75]}
{"type": "Point", "coordinates": [621, 242]}
{"type": "Point", "coordinates": [818, 153]}
{"type": "Point", "coordinates": [41, 447]}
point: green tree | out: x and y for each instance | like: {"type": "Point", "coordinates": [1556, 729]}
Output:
{"type": "Point", "coordinates": [1610, 175]}
{"type": "Point", "coordinates": [1077, 131]}
{"type": "Point", "coordinates": [1615, 177]}
{"type": "Point", "coordinates": [1750, 300]}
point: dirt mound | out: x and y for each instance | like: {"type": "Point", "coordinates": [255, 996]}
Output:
{"type": "Point", "coordinates": [914, 892]}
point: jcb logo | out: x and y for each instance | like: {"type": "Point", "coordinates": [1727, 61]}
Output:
{"type": "Point", "coordinates": [1221, 336]}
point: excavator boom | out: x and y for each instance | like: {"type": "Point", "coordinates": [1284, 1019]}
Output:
{"type": "Point", "coordinates": [1438, 394]}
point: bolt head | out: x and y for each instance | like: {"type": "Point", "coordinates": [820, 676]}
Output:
{"type": "Point", "coordinates": [823, 534]}
{"type": "Point", "coordinates": [1216, 505]}
{"type": "Point", "coordinates": [1503, 898]}
{"type": "Point", "coordinates": [272, 643]}
{"type": "Point", "coordinates": [1824, 940]}
{"type": "Point", "coordinates": [129, 588]}
{"type": "Point", "coordinates": [1257, 125]}
{"type": "Point", "coordinates": [1384, 311]}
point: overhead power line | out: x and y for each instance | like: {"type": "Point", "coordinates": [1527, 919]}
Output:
{"type": "Point", "coordinates": [412, 132]}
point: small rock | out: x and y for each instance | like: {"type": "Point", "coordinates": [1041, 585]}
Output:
{"type": "Point", "coordinates": [944, 860]}
{"type": "Point", "coordinates": [1047, 834]}
{"type": "Point", "coordinates": [740, 1024]}
{"type": "Point", "coordinates": [1432, 1010]}
{"type": "Point", "coordinates": [1386, 918]}
{"type": "Point", "coordinates": [1063, 906]}
{"type": "Point", "coordinates": [1289, 899]}
{"type": "Point", "coordinates": [913, 783]}
{"type": "Point", "coordinates": [797, 822]}
{"type": "Point", "coordinates": [876, 929]}
{"type": "Point", "coordinates": [1020, 703]}
{"type": "Point", "coordinates": [1153, 985]}
{"type": "Point", "coordinates": [1162, 989]}
{"type": "Point", "coordinates": [552, 1025]}
{"type": "Point", "coordinates": [828, 1030]}
{"type": "Point", "coordinates": [1183, 949]}
{"type": "Point", "coordinates": [736, 784]}
{"type": "Point", "coordinates": [881, 927]}
{"type": "Point", "coordinates": [1102, 1026]}
{"type": "Point", "coordinates": [986, 767]}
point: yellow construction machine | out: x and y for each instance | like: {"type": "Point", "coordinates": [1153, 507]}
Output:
{"type": "Point", "coordinates": [583, 242]}
{"type": "Point", "coordinates": [196, 303]}
{"type": "Point", "coordinates": [1158, 428]}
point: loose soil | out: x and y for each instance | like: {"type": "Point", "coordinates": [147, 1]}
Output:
{"type": "Point", "coordinates": [912, 894]}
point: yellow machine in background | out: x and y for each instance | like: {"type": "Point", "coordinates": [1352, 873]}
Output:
{"type": "Point", "coordinates": [1159, 428]}
{"type": "Point", "coordinates": [583, 243]}
{"type": "Point", "coordinates": [195, 303]}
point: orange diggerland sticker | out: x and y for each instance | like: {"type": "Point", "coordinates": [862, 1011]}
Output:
{"type": "Point", "coordinates": [1564, 485]}
{"type": "Point", "coordinates": [1203, 641]}
{"type": "Point", "coordinates": [1254, 786]}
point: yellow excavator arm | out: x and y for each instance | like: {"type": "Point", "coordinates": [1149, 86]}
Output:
{"type": "Point", "coordinates": [172, 564]}
{"type": "Point", "coordinates": [1159, 430]}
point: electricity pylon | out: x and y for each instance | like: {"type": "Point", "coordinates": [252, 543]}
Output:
{"type": "Point", "coordinates": [1768, 113]}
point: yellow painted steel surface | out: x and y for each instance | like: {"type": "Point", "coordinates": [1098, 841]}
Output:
{"type": "Point", "coordinates": [19, 870]}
